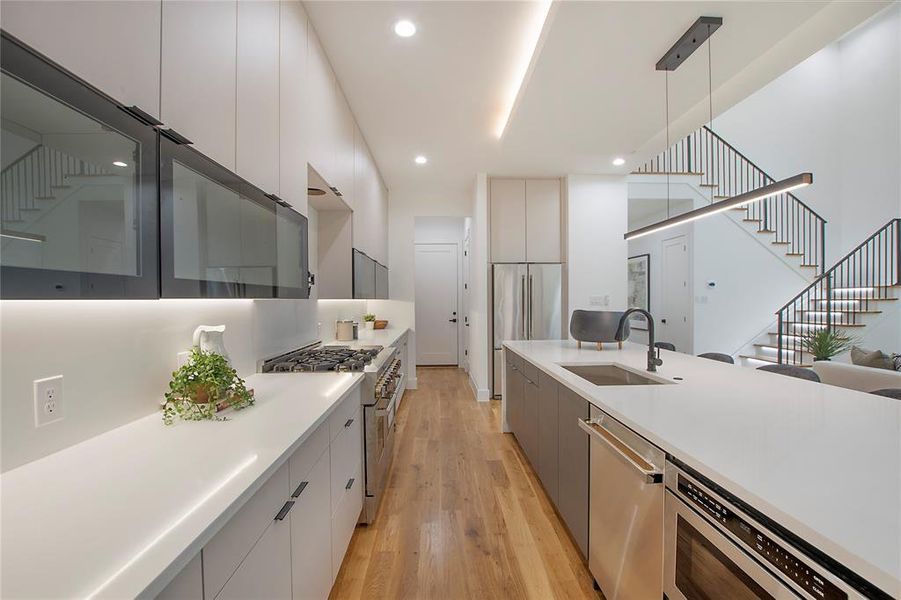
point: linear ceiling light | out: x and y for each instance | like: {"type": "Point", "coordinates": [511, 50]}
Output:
{"type": "Point", "coordinates": [773, 189]}
{"type": "Point", "coordinates": [530, 40]}
{"type": "Point", "coordinates": [21, 235]}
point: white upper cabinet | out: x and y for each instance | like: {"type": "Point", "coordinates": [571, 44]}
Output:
{"type": "Point", "coordinates": [257, 146]}
{"type": "Point", "coordinates": [525, 220]}
{"type": "Point", "coordinates": [199, 60]}
{"type": "Point", "coordinates": [114, 46]}
{"type": "Point", "coordinates": [293, 131]}
{"type": "Point", "coordinates": [322, 110]}
{"type": "Point", "coordinates": [508, 220]}
{"type": "Point", "coordinates": [543, 220]}
{"type": "Point", "coordinates": [344, 150]}
{"type": "Point", "coordinates": [370, 220]}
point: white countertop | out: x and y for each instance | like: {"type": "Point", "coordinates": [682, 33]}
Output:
{"type": "Point", "coordinates": [371, 337]}
{"type": "Point", "coordinates": [120, 514]}
{"type": "Point", "coordinates": [824, 462]}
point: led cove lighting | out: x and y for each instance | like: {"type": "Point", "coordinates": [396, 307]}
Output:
{"type": "Point", "coordinates": [618, 161]}
{"type": "Point", "coordinates": [527, 52]}
{"type": "Point", "coordinates": [119, 163]}
{"type": "Point", "coordinates": [405, 28]}
{"type": "Point", "coordinates": [773, 189]}
{"type": "Point", "coordinates": [420, 160]}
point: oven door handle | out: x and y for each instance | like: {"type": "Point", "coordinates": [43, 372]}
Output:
{"type": "Point", "coordinates": [597, 431]}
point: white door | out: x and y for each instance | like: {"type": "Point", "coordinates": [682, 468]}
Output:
{"type": "Point", "coordinates": [674, 320]}
{"type": "Point", "coordinates": [436, 304]}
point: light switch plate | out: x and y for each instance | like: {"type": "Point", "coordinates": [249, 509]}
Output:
{"type": "Point", "coordinates": [48, 400]}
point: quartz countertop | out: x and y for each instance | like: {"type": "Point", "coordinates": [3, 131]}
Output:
{"type": "Point", "coordinates": [822, 461]}
{"type": "Point", "coordinates": [120, 514]}
{"type": "Point", "coordinates": [371, 337]}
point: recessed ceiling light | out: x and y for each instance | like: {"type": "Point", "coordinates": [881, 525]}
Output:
{"type": "Point", "coordinates": [619, 161]}
{"type": "Point", "coordinates": [420, 160]}
{"type": "Point", "coordinates": [119, 163]}
{"type": "Point", "coordinates": [404, 28]}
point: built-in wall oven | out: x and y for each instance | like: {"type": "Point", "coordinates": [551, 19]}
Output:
{"type": "Point", "coordinates": [714, 549]}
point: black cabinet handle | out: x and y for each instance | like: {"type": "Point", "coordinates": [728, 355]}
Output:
{"type": "Point", "coordinates": [350, 483]}
{"type": "Point", "coordinates": [663, 320]}
{"type": "Point", "coordinates": [348, 423]}
{"type": "Point", "coordinates": [284, 511]}
{"type": "Point", "coordinates": [303, 485]}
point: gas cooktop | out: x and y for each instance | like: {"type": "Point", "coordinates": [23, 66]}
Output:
{"type": "Point", "coordinates": [322, 359]}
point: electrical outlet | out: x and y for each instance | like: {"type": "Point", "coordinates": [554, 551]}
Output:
{"type": "Point", "coordinates": [48, 400]}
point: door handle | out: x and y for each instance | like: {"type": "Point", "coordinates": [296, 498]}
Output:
{"type": "Point", "coordinates": [284, 511]}
{"type": "Point", "coordinates": [530, 307]}
{"type": "Point", "coordinates": [650, 472]}
{"type": "Point", "coordinates": [348, 423]}
{"type": "Point", "coordinates": [663, 321]}
{"type": "Point", "coordinates": [452, 320]}
{"type": "Point", "coordinates": [303, 485]}
{"type": "Point", "coordinates": [523, 307]}
{"type": "Point", "coordinates": [350, 483]}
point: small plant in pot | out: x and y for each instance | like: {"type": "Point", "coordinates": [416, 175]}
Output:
{"type": "Point", "coordinates": [203, 387]}
{"type": "Point", "coordinates": [369, 320]}
{"type": "Point", "coordinates": [824, 343]}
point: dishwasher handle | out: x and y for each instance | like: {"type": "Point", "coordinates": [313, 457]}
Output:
{"type": "Point", "coordinates": [596, 430]}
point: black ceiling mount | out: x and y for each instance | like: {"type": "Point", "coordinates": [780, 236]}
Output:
{"type": "Point", "coordinates": [690, 41]}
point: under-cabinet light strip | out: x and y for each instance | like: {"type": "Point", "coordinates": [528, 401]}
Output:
{"type": "Point", "coordinates": [773, 189]}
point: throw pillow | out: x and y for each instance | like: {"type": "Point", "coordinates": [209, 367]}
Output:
{"type": "Point", "coordinates": [871, 358]}
{"type": "Point", "coordinates": [896, 359]}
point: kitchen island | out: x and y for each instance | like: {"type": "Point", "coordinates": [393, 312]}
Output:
{"type": "Point", "coordinates": [822, 462]}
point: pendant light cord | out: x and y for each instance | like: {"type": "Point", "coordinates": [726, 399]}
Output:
{"type": "Point", "coordinates": [710, 88]}
{"type": "Point", "coordinates": [668, 161]}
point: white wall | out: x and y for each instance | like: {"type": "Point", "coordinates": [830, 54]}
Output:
{"type": "Point", "coordinates": [116, 357]}
{"type": "Point", "coordinates": [836, 115]}
{"type": "Point", "coordinates": [597, 220]}
{"type": "Point", "coordinates": [479, 343]}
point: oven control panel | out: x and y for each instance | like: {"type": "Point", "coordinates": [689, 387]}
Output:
{"type": "Point", "coordinates": [766, 548]}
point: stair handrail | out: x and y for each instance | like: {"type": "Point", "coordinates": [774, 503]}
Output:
{"type": "Point", "coordinates": [886, 239]}
{"type": "Point", "coordinates": [769, 177]}
{"type": "Point", "coordinates": [22, 158]}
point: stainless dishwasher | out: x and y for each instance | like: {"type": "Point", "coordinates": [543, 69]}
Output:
{"type": "Point", "coordinates": [625, 513]}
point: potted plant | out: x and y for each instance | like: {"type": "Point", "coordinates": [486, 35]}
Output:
{"type": "Point", "coordinates": [825, 343]}
{"type": "Point", "coordinates": [369, 320]}
{"type": "Point", "coordinates": [204, 386]}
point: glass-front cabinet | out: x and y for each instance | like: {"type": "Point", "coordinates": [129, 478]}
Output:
{"type": "Point", "coordinates": [78, 187]}
{"type": "Point", "coordinates": [221, 237]}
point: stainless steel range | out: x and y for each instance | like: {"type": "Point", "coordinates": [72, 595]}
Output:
{"type": "Point", "coordinates": [382, 385]}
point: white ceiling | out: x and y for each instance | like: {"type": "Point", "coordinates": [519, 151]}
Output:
{"type": "Point", "coordinates": [593, 92]}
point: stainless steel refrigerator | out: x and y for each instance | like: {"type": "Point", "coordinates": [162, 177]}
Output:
{"type": "Point", "coordinates": [527, 305]}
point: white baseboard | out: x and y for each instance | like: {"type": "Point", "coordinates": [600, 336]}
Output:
{"type": "Point", "coordinates": [481, 394]}
{"type": "Point", "coordinates": [412, 383]}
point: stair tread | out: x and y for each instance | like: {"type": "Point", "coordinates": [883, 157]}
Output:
{"type": "Point", "coordinates": [861, 299]}
{"type": "Point", "coordinates": [840, 311]}
{"type": "Point", "coordinates": [794, 254]}
{"type": "Point", "coordinates": [752, 220]}
{"type": "Point", "coordinates": [781, 243]}
{"type": "Point", "coordinates": [811, 266]}
{"type": "Point", "coordinates": [770, 359]}
{"type": "Point", "coordinates": [834, 324]}
{"type": "Point", "coordinates": [767, 231]}
{"type": "Point", "coordinates": [30, 209]}
{"type": "Point", "coordinates": [710, 185]}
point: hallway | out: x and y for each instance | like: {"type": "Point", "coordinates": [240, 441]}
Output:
{"type": "Point", "coordinates": [463, 516]}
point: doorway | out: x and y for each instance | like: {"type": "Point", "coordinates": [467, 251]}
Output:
{"type": "Point", "coordinates": [437, 290]}
{"type": "Point", "coordinates": [675, 294]}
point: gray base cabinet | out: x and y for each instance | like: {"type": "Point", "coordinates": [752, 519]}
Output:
{"type": "Point", "coordinates": [544, 417]}
{"type": "Point", "coordinates": [548, 435]}
{"type": "Point", "coordinates": [573, 466]}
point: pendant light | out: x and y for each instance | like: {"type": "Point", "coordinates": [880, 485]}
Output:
{"type": "Point", "coordinates": [698, 33]}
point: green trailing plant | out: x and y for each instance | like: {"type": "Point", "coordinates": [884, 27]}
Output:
{"type": "Point", "coordinates": [824, 343]}
{"type": "Point", "coordinates": [202, 387]}
{"type": "Point", "coordinates": [369, 317]}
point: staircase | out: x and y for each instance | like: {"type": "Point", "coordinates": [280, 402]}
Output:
{"type": "Point", "coordinates": [848, 296]}
{"type": "Point", "coordinates": [32, 185]}
{"type": "Point", "coordinates": [781, 221]}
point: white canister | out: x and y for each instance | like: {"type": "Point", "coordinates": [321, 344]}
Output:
{"type": "Point", "coordinates": [344, 331]}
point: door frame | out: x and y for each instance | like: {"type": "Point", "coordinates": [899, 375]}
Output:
{"type": "Point", "coordinates": [686, 239]}
{"type": "Point", "coordinates": [459, 285]}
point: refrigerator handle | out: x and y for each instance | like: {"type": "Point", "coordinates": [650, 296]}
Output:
{"type": "Point", "coordinates": [530, 307]}
{"type": "Point", "coordinates": [523, 293]}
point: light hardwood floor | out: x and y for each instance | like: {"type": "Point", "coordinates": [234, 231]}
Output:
{"type": "Point", "coordinates": [464, 516]}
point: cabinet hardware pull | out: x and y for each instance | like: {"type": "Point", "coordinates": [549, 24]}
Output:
{"type": "Point", "coordinates": [300, 489]}
{"type": "Point", "coordinates": [348, 423]}
{"type": "Point", "coordinates": [350, 483]}
{"type": "Point", "coordinates": [284, 511]}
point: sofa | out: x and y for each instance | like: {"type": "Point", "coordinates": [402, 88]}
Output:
{"type": "Point", "coordinates": [856, 377]}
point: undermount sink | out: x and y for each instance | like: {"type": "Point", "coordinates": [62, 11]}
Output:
{"type": "Point", "coordinates": [610, 375]}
